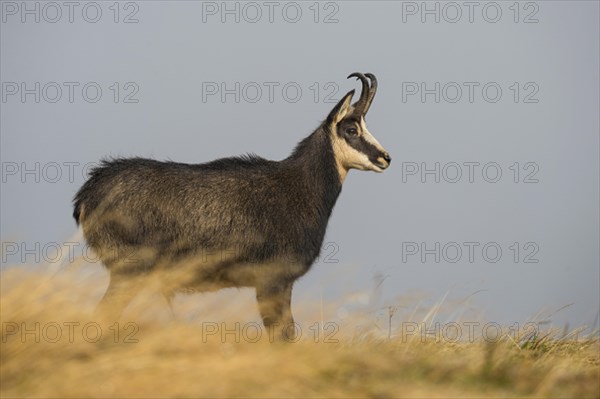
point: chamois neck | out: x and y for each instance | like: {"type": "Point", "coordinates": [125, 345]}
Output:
{"type": "Point", "coordinates": [315, 156]}
{"type": "Point", "coordinates": [314, 159]}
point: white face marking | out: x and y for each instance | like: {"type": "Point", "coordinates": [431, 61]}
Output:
{"type": "Point", "coordinates": [348, 157]}
{"type": "Point", "coordinates": [368, 136]}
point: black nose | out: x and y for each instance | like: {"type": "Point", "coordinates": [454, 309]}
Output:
{"type": "Point", "coordinates": [387, 157]}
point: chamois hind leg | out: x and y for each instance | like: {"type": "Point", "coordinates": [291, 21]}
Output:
{"type": "Point", "coordinates": [274, 304]}
{"type": "Point", "coordinates": [129, 268]}
{"type": "Point", "coordinates": [121, 290]}
{"type": "Point", "coordinates": [169, 295]}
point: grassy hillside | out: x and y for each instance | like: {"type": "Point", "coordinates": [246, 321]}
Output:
{"type": "Point", "coordinates": [52, 347]}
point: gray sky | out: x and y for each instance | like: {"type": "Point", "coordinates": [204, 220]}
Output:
{"type": "Point", "coordinates": [489, 89]}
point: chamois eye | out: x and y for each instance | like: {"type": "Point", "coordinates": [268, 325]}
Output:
{"type": "Point", "coordinates": [352, 131]}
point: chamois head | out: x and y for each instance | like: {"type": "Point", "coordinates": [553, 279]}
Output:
{"type": "Point", "coordinates": [354, 146]}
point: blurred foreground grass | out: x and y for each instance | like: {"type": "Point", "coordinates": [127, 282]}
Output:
{"type": "Point", "coordinates": [154, 357]}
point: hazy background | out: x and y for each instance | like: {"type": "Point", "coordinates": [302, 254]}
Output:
{"type": "Point", "coordinates": [177, 50]}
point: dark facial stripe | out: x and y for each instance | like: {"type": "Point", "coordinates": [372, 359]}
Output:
{"type": "Point", "coordinates": [363, 146]}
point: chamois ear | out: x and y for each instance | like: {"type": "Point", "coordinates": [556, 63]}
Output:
{"type": "Point", "coordinates": [341, 109]}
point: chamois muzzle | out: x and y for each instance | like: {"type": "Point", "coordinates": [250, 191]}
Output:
{"type": "Point", "coordinates": [387, 158]}
{"type": "Point", "coordinates": [384, 161]}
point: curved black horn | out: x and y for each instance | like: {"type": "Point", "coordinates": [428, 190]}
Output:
{"type": "Point", "coordinates": [361, 105]}
{"type": "Point", "coordinates": [372, 90]}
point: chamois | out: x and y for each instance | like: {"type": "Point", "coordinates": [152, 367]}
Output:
{"type": "Point", "coordinates": [234, 222]}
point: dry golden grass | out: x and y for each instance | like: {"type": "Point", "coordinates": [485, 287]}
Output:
{"type": "Point", "coordinates": [170, 358]}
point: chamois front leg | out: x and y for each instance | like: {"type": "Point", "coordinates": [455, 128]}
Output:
{"type": "Point", "coordinates": [274, 304]}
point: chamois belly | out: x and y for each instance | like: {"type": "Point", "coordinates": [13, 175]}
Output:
{"type": "Point", "coordinates": [240, 275]}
